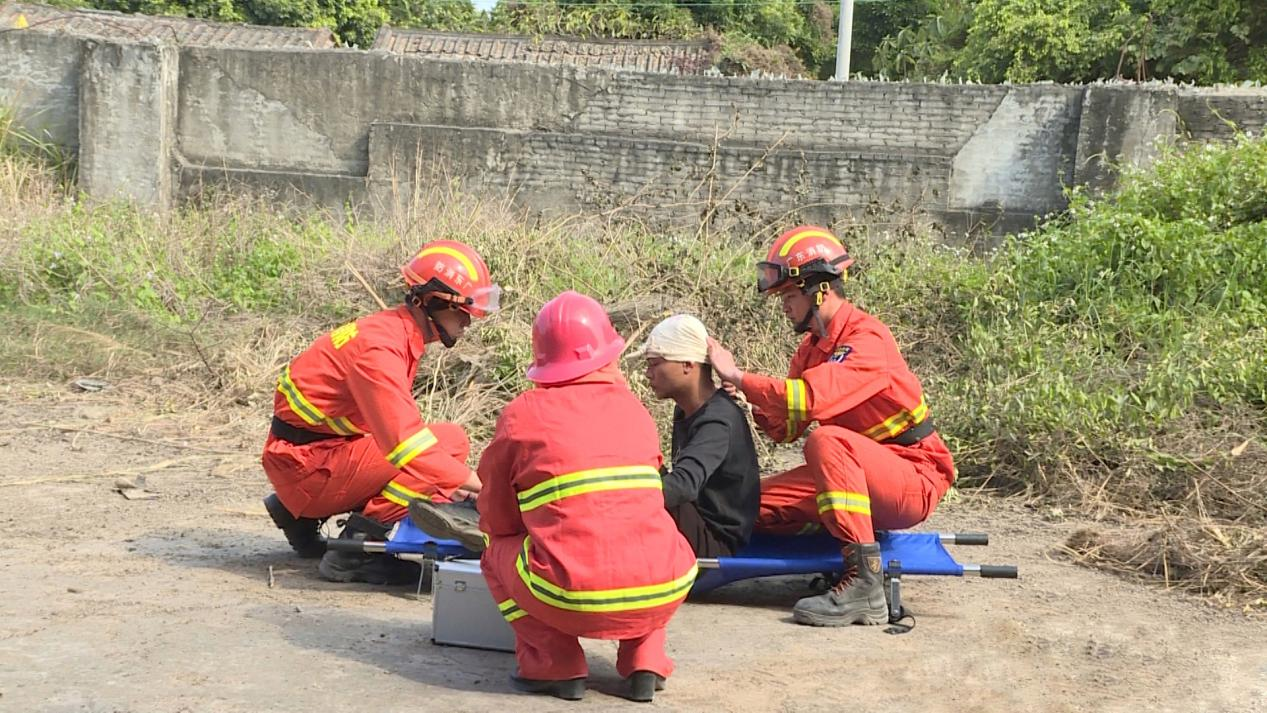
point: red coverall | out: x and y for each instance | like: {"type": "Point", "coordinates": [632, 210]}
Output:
{"type": "Point", "coordinates": [856, 385]}
{"type": "Point", "coordinates": [357, 383]}
{"type": "Point", "coordinates": [579, 541]}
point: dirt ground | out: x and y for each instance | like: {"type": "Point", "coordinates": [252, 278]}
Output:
{"type": "Point", "coordinates": [110, 604]}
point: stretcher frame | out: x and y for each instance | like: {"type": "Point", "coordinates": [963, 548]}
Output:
{"type": "Point", "coordinates": [902, 554]}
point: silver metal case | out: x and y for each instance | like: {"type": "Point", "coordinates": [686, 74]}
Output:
{"type": "Point", "coordinates": [463, 612]}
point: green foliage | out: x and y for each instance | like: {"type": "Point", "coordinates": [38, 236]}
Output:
{"type": "Point", "coordinates": [447, 15]}
{"type": "Point", "coordinates": [873, 24]}
{"type": "Point", "coordinates": [1206, 41]}
{"type": "Point", "coordinates": [1031, 40]}
{"type": "Point", "coordinates": [1136, 318]}
{"type": "Point", "coordinates": [354, 22]}
{"type": "Point", "coordinates": [631, 19]}
{"type": "Point", "coordinates": [171, 272]}
{"type": "Point", "coordinates": [928, 48]}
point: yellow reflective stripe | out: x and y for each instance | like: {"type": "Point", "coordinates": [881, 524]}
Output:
{"type": "Point", "coordinates": [787, 247]}
{"type": "Point", "coordinates": [602, 600]}
{"type": "Point", "coordinates": [446, 250]}
{"type": "Point", "coordinates": [620, 477]}
{"type": "Point", "coordinates": [809, 527]}
{"type": "Point", "coordinates": [797, 406]}
{"type": "Point", "coordinates": [510, 610]}
{"type": "Point", "coordinates": [401, 495]}
{"type": "Point", "coordinates": [411, 448]}
{"type": "Point", "coordinates": [843, 500]}
{"type": "Point", "coordinates": [300, 405]}
{"type": "Point", "coordinates": [898, 422]}
{"type": "Point", "coordinates": [342, 426]}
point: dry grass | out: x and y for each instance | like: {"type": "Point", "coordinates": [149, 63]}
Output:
{"type": "Point", "coordinates": [203, 308]}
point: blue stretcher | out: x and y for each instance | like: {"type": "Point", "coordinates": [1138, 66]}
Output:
{"type": "Point", "coordinates": [922, 553]}
{"type": "Point", "coordinates": [903, 553]}
{"type": "Point", "coordinates": [408, 543]}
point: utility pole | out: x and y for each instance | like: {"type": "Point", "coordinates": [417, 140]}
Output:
{"type": "Point", "coordinates": [844, 39]}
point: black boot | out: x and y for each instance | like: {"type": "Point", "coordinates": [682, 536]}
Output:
{"type": "Point", "coordinates": [371, 568]}
{"type": "Point", "coordinates": [858, 598]}
{"type": "Point", "coordinates": [643, 685]}
{"type": "Point", "coordinates": [570, 689]}
{"type": "Point", "coordinates": [452, 521]}
{"type": "Point", "coordinates": [303, 533]}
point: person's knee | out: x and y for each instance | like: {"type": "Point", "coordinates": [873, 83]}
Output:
{"type": "Point", "coordinates": [825, 441]}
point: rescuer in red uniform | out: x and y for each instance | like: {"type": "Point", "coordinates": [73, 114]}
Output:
{"type": "Point", "coordinates": [346, 433]}
{"type": "Point", "coordinates": [875, 460]}
{"type": "Point", "coordinates": [579, 541]}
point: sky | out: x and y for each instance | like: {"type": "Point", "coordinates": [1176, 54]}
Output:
{"type": "Point", "coordinates": [483, 4]}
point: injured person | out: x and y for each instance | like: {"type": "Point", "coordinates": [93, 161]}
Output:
{"type": "Point", "coordinates": [712, 487]}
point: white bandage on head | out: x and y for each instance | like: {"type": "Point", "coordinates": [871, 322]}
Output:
{"type": "Point", "coordinates": [678, 338]}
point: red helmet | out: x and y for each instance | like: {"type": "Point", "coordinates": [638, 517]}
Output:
{"type": "Point", "coordinates": [452, 271]}
{"type": "Point", "coordinates": [571, 337]}
{"type": "Point", "coordinates": [803, 250]}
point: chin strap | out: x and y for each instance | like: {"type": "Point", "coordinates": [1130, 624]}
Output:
{"type": "Point", "coordinates": [812, 317]}
{"type": "Point", "coordinates": [431, 308]}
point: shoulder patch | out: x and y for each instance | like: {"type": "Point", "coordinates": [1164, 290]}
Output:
{"type": "Point", "coordinates": [840, 354]}
{"type": "Point", "coordinates": [343, 335]}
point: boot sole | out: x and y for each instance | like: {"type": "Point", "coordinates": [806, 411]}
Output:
{"type": "Point", "coordinates": [865, 618]}
{"type": "Point", "coordinates": [568, 690]}
{"type": "Point", "coordinates": [439, 524]}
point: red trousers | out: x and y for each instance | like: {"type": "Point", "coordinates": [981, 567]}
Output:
{"type": "Point", "coordinates": [339, 475]}
{"type": "Point", "coordinates": [547, 645]}
{"type": "Point", "coordinates": [852, 486]}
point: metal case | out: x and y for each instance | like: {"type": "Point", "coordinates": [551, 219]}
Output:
{"type": "Point", "coordinates": [463, 612]}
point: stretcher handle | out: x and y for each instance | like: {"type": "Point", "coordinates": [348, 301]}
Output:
{"type": "Point", "coordinates": [998, 571]}
{"type": "Point", "coordinates": [349, 545]}
{"type": "Point", "coordinates": [966, 538]}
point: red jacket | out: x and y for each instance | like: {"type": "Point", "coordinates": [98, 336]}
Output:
{"type": "Point", "coordinates": [359, 379]}
{"type": "Point", "coordinates": [854, 378]}
{"type": "Point", "coordinates": [576, 468]}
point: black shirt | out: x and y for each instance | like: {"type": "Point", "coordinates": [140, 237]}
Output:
{"type": "Point", "coordinates": [715, 467]}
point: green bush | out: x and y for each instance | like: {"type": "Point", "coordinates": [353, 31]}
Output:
{"type": "Point", "coordinates": [1032, 40]}
{"type": "Point", "coordinates": [1137, 319]}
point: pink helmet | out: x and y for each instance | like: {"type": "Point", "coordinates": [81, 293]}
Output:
{"type": "Point", "coordinates": [571, 337]}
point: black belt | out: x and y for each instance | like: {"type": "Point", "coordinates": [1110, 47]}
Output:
{"type": "Point", "coordinates": [914, 434]}
{"type": "Point", "coordinates": [299, 436]}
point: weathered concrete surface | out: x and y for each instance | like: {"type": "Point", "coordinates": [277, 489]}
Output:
{"type": "Point", "coordinates": [1122, 126]}
{"type": "Point", "coordinates": [338, 127]}
{"type": "Point", "coordinates": [39, 81]}
{"type": "Point", "coordinates": [1022, 156]}
{"type": "Point", "coordinates": [126, 121]}
{"type": "Point", "coordinates": [547, 168]}
{"type": "Point", "coordinates": [1208, 114]}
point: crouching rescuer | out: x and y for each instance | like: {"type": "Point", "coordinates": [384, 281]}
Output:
{"type": "Point", "coordinates": [875, 460]}
{"type": "Point", "coordinates": [579, 543]}
{"type": "Point", "coordinates": [347, 435]}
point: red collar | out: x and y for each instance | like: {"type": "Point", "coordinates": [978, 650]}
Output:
{"type": "Point", "coordinates": [835, 329]}
{"type": "Point", "coordinates": [417, 342]}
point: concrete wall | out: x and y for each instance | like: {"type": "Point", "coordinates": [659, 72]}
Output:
{"type": "Point", "coordinates": [344, 127]}
{"type": "Point", "coordinates": [127, 121]}
{"type": "Point", "coordinates": [39, 78]}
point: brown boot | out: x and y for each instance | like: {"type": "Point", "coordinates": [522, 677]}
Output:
{"type": "Point", "coordinates": [858, 598]}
